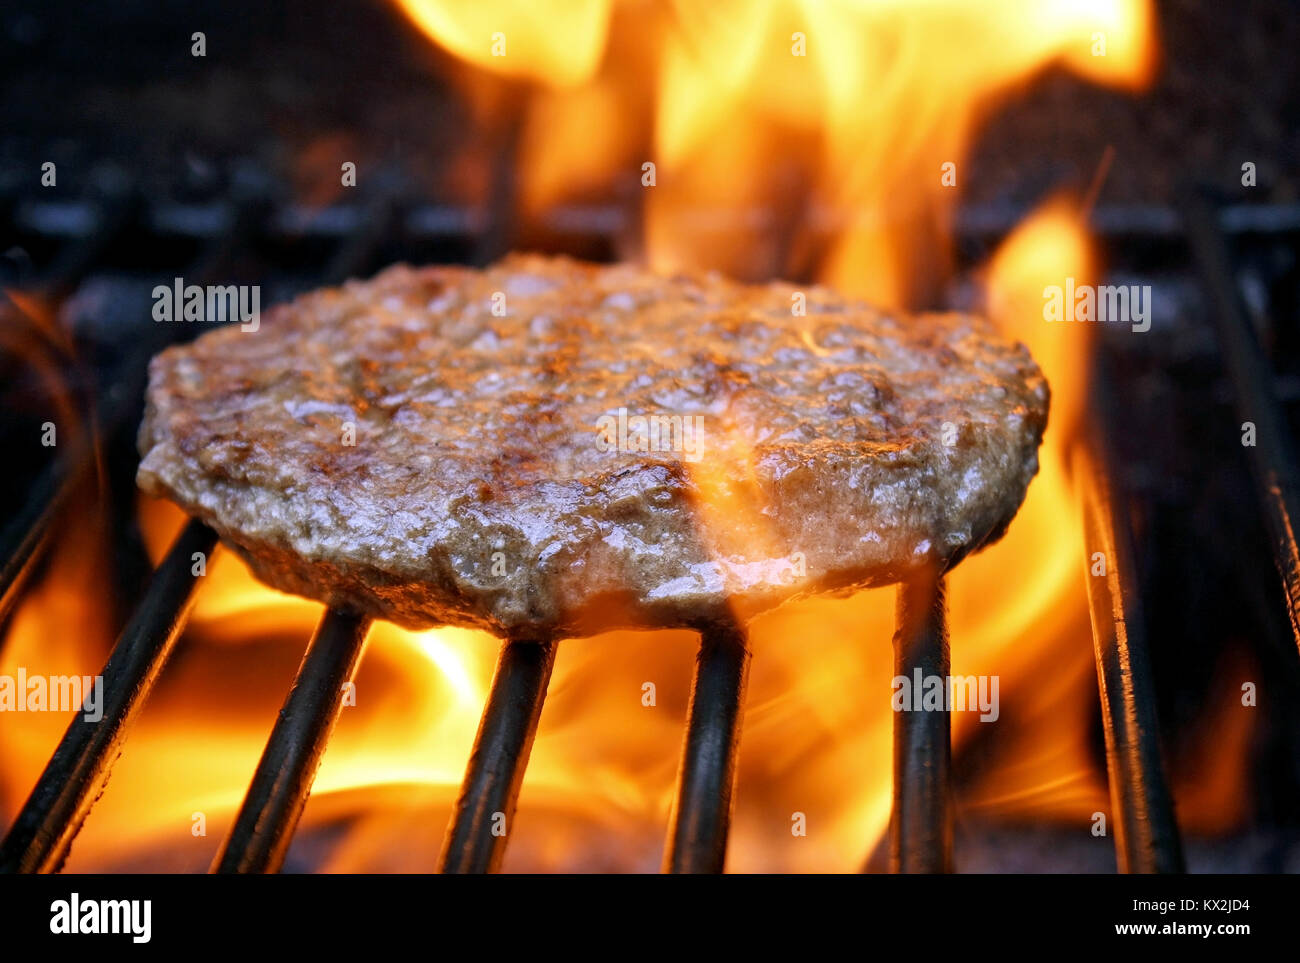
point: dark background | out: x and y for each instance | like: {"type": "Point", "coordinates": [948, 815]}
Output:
{"type": "Point", "coordinates": [88, 83]}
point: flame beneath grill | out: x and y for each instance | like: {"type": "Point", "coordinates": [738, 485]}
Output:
{"type": "Point", "coordinates": [767, 161]}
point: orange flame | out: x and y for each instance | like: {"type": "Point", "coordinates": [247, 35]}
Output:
{"type": "Point", "coordinates": [780, 131]}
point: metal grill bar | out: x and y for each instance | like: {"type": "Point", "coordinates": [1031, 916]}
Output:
{"type": "Point", "coordinates": [697, 839]}
{"type": "Point", "coordinates": [260, 836]}
{"type": "Point", "coordinates": [485, 810]}
{"type": "Point", "coordinates": [41, 836]}
{"type": "Point", "coordinates": [425, 220]}
{"type": "Point", "coordinates": [23, 539]}
{"type": "Point", "coordinates": [1272, 457]}
{"type": "Point", "coordinates": [1146, 834]}
{"type": "Point", "coordinates": [920, 829]}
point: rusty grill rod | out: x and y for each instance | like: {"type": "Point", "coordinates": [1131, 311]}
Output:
{"type": "Point", "coordinates": [1272, 457]}
{"type": "Point", "coordinates": [484, 812]}
{"type": "Point", "coordinates": [260, 836]}
{"type": "Point", "coordinates": [920, 826]}
{"type": "Point", "coordinates": [701, 817]}
{"type": "Point", "coordinates": [1146, 834]}
{"type": "Point", "coordinates": [75, 776]}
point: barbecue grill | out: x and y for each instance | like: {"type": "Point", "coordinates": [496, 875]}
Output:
{"type": "Point", "coordinates": [1146, 836]}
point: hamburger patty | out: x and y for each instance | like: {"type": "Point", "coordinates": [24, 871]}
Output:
{"type": "Point", "coordinates": [548, 447]}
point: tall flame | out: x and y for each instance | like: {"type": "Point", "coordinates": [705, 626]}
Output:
{"type": "Point", "coordinates": [783, 132]}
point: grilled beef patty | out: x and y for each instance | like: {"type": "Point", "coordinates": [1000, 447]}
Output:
{"type": "Point", "coordinates": [548, 447]}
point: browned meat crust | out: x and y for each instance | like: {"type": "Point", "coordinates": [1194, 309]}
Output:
{"type": "Point", "coordinates": [399, 447]}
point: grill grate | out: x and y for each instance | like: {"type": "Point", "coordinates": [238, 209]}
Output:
{"type": "Point", "coordinates": [1147, 838]}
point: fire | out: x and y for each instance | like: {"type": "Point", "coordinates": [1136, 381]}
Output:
{"type": "Point", "coordinates": [560, 44]}
{"type": "Point", "coordinates": [1037, 623]}
{"type": "Point", "coordinates": [781, 133]}
{"type": "Point", "coordinates": [768, 138]}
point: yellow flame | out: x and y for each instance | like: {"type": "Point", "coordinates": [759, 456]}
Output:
{"type": "Point", "coordinates": [559, 43]}
{"type": "Point", "coordinates": [837, 115]}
